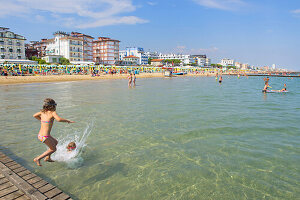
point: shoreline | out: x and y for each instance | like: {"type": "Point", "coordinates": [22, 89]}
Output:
{"type": "Point", "coordinates": [11, 80]}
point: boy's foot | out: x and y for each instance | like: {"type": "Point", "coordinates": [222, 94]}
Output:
{"type": "Point", "coordinates": [48, 160]}
{"type": "Point", "coordinates": [37, 162]}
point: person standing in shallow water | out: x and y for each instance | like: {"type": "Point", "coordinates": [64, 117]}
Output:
{"type": "Point", "coordinates": [47, 116]}
{"type": "Point", "coordinates": [220, 79]}
{"type": "Point", "coordinates": [133, 79]}
{"type": "Point", "coordinates": [129, 80]}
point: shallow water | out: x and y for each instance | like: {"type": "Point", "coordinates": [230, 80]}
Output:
{"type": "Point", "coordinates": [167, 138]}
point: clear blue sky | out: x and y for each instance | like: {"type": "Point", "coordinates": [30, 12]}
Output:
{"type": "Point", "coordinates": [258, 32]}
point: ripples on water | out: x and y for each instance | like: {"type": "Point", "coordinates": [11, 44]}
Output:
{"type": "Point", "coordinates": [179, 138]}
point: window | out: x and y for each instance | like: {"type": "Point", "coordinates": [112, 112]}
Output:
{"type": "Point", "coordinates": [2, 56]}
{"type": "Point", "coordinates": [10, 50]}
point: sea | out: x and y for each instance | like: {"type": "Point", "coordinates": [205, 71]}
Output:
{"type": "Point", "coordinates": [166, 138]}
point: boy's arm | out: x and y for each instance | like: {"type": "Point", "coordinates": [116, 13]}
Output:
{"type": "Point", "coordinates": [37, 116]}
{"type": "Point", "coordinates": [59, 119]}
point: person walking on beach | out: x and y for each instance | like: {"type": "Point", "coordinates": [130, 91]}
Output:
{"type": "Point", "coordinates": [133, 79]}
{"type": "Point", "coordinates": [47, 116]}
{"type": "Point", "coordinates": [129, 80]}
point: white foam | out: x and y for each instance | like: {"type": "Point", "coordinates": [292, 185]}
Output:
{"type": "Point", "coordinates": [72, 158]}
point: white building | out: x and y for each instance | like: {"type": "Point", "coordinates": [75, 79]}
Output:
{"type": "Point", "coordinates": [68, 46]}
{"type": "Point", "coordinates": [201, 60]}
{"type": "Point", "coordinates": [185, 59]}
{"type": "Point", "coordinates": [227, 62]}
{"type": "Point", "coordinates": [153, 55]}
{"type": "Point", "coordinates": [137, 52]}
{"type": "Point", "coordinates": [12, 45]}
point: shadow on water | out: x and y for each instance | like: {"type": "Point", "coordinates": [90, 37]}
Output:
{"type": "Point", "coordinates": [108, 171]}
{"type": "Point", "coordinates": [23, 162]}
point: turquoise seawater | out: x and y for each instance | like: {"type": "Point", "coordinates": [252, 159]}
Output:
{"type": "Point", "coordinates": [167, 138]}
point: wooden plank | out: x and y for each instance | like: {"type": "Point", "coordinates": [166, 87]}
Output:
{"type": "Point", "coordinates": [3, 180]}
{"type": "Point", "coordinates": [7, 191]}
{"type": "Point", "coordinates": [14, 166]}
{"type": "Point", "coordinates": [24, 173]}
{"type": "Point", "coordinates": [46, 188]}
{"type": "Point", "coordinates": [34, 180]}
{"type": "Point", "coordinates": [11, 164]}
{"type": "Point", "coordinates": [5, 185]}
{"type": "Point", "coordinates": [1, 175]}
{"type": "Point", "coordinates": [61, 196]}
{"type": "Point", "coordinates": [52, 193]}
{"type": "Point", "coordinates": [20, 169]}
{"type": "Point", "coordinates": [2, 155]}
{"type": "Point", "coordinates": [13, 195]}
{"type": "Point", "coordinates": [24, 197]}
{"type": "Point", "coordinates": [40, 184]}
{"type": "Point", "coordinates": [6, 160]}
{"type": "Point", "coordinates": [29, 176]}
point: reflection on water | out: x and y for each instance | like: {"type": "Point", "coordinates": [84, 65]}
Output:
{"type": "Point", "coordinates": [177, 138]}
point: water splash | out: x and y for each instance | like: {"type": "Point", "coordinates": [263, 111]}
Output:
{"type": "Point", "coordinates": [73, 158]}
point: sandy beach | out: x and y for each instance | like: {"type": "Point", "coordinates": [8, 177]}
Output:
{"type": "Point", "coordinates": [62, 78]}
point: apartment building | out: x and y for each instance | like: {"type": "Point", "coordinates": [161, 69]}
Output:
{"type": "Point", "coordinates": [137, 52]}
{"type": "Point", "coordinates": [66, 45]}
{"type": "Point", "coordinates": [106, 51]}
{"type": "Point", "coordinates": [185, 59]}
{"type": "Point", "coordinates": [227, 62]}
{"type": "Point", "coordinates": [12, 45]}
{"type": "Point", "coordinates": [87, 45]}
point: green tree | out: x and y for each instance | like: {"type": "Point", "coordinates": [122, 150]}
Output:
{"type": "Point", "coordinates": [41, 61]}
{"type": "Point", "coordinates": [174, 61]}
{"type": "Point", "coordinates": [149, 60]}
{"type": "Point", "coordinates": [64, 61]}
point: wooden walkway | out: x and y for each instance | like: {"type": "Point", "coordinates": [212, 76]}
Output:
{"type": "Point", "coordinates": [16, 182]}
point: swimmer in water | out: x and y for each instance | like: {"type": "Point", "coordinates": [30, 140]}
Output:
{"type": "Point", "coordinates": [282, 90]}
{"type": "Point", "coordinates": [71, 146]}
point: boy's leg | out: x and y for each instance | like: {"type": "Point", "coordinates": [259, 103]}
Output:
{"type": "Point", "coordinates": [52, 148]}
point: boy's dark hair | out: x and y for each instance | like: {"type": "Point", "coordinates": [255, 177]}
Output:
{"type": "Point", "coordinates": [49, 105]}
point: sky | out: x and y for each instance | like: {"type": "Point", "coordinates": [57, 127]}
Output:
{"type": "Point", "coordinates": [257, 32]}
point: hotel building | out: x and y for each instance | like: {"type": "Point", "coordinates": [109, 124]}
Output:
{"type": "Point", "coordinates": [66, 45]}
{"type": "Point", "coordinates": [106, 51]}
{"type": "Point", "coordinates": [40, 46]}
{"type": "Point", "coordinates": [227, 62]}
{"type": "Point", "coordinates": [137, 52]}
{"type": "Point", "coordinates": [201, 60]}
{"type": "Point", "coordinates": [87, 45]}
{"type": "Point", "coordinates": [185, 59]}
{"type": "Point", "coordinates": [12, 45]}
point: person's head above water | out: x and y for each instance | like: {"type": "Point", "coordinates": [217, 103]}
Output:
{"type": "Point", "coordinates": [49, 105]}
{"type": "Point", "coordinates": [71, 146]}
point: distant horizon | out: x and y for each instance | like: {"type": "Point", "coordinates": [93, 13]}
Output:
{"type": "Point", "coordinates": [254, 32]}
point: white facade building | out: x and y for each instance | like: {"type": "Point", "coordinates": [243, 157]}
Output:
{"type": "Point", "coordinates": [137, 52]}
{"type": "Point", "coordinates": [12, 45]}
{"type": "Point", "coordinates": [152, 55]}
{"type": "Point", "coordinates": [185, 59]}
{"type": "Point", "coordinates": [227, 62]}
{"type": "Point", "coordinates": [67, 46]}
